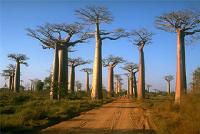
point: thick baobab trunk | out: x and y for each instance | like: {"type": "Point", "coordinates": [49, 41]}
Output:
{"type": "Point", "coordinates": [72, 79]}
{"type": "Point", "coordinates": [87, 82]}
{"type": "Point", "coordinates": [10, 82]}
{"type": "Point", "coordinates": [180, 67]}
{"type": "Point", "coordinates": [135, 85]}
{"type": "Point", "coordinates": [131, 84]}
{"type": "Point", "coordinates": [168, 87]}
{"type": "Point", "coordinates": [97, 73]}
{"type": "Point", "coordinates": [63, 71]}
{"type": "Point", "coordinates": [54, 78]}
{"type": "Point", "coordinates": [141, 75]}
{"type": "Point", "coordinates": [110, 81]}
{"type": "Point", "coordinates": [17, 77]}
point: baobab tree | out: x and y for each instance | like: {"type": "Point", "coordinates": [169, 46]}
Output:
{"type": "Point", "coordinates": [73, 63]}
{"type": "Point", "coordinates": [88, 71]}
{"type": "Point", "coordinates": [9, 72]}
{"type": "Point", "coordinates": [140, 38]}
{"type": "Point", "coordinates": [168, 78]}
{"type": "Point", "coordinates": [19, 59]}
{"type": "Point", "coordinates": [132, 69]}
{"type": "Point", "coordinates": [148, 87]}
{"type": "Point", "coordinates": [111, 62]}
{"type": "Point", "coordinates": [185, 23]}
{"type": "Point", "coordinates": [59, 37]}
{"type": "Point", "coordinates": [118, 80]}
{"type": "Point", "coordinates": [93, 15]}
{"type": "Point", "coordinates": [128, 82]}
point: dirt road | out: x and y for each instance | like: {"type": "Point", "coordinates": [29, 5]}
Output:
{"type": "Point", "coordinates": [119, 117]}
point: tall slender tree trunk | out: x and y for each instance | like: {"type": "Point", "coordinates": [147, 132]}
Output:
{"type": "Point", "coordinates": [10, 82]}
{"type": "Point", "coordinates": [180, 67]}
{"type": "Point", "coordinates": [135, 85]}
{"type": "Point", "coordinates": [110, 81]}
{"type": "Point", "coordinates": [128, 85]}
{"type": "Point", "coordinates": [141, 75]}
{"type": "Point", "coordinates": [87, 82]}
{"type": "Point", "coordinates": [168, 87]}
{"type": "Point", "coordinates": [63, 71]}
{"type": "Point", "coordinates": [97, 73]}
{"type": "Point", "coordinates": [54, 78]}
{"type": "Point", "coordinates": [17, 77]}
{"type": "Point", "coordinates": [131, 84]}
{"type": "Point", "coordinates": [13, 81]}
{"type": "Point", "coordinates": [72, 79]}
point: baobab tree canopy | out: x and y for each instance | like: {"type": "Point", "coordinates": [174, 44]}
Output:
{"type": "Point", "coordinates": [169, 77]}
{"type": "Point", "coordinates": [77, 61]}
{"type": "Point", "coordinates": [140, 37]}
{"type": "Point", "coordinates": [21, 58]}
{"type": "Point", "coordinates": [186, 20]}
{"type": "Point", "coordinates": [112, 60]}
{"type": "Point", "coordinates": [95, 14]}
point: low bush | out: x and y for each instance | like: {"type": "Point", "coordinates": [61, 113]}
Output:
{"type": "Point", "coordinates": [28, 111]}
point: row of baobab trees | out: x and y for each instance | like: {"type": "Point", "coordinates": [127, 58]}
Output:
{"type": "Point", "coordinates": [110, 62]}
{"type": "Point", "coordinates": [61, 37]}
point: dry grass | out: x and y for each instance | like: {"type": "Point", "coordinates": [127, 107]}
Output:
{"type": "Point", "coordinates": [175, 119]}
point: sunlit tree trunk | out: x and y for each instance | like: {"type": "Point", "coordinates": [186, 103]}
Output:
{"type": "Point", "coordinates": [128, 86]}
{"type": "Point", "coordinates": [168, 87]}
{"type": "Point", "coordinates": [54, 79]}
{"type": "Point", "coordinates": [87, 83]}
{"type": "Point", "coordinates": [97, 69]}
{"type": "Point", "coordinates": [135, 84]}
{"type": "Point", "coordinates": [141, 75]}
{"type": "Point", "coordinates": [62, 73]}
{"type": "Point", "coordinates": [131, 84]}
{"type": "Point", "coordinates": [17, 77]}
{"type": "Point", "coordinates": [110, 81]}
{"type": "Point", "coordinates": [180, 70]}
{"type": "Point", "coordinates": [72, 79]}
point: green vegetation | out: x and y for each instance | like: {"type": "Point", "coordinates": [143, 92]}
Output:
{"type": "Point", "coordinates": [31, 111]}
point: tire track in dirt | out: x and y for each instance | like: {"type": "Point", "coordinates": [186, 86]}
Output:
{"type": "Point", "coordinates": [119, 117]}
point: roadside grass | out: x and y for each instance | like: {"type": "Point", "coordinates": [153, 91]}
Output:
{"type": "Point", "coordinates": [170, 118]}
{"type": "Point", "coordinates": [28, 112]}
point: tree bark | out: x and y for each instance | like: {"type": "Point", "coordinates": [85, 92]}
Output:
{"type": "Point", "coordinates": [87, 82]}
{"type": "Point", "coordinates": [13, 81]}
{"type": "Point", "coordinates": [180, 67]}
{"type": "Point", "coordinates": [141, 75]}
{"type": "Point", "coordinates": [135, 84]}
{"type": "Point", "coordinates": [128, 86]}
{"type": "Point", "coordinates": [110, 81]}
{"type": "Point", "coordinates": [131, 84]}
{"type": "Point", "coordinates": [17, 77]}
{"type": "Point", "coordinates": [10, 82]}
{"type": "Point", "coordinates": [168, 87]}
{"type": "Point", "coordinates": [63, 71]}
{"type": "Point", "coordinates": [72, 79]}
{"type": "Point", "coordinates": [54, 78]}
{"type": "Point", "coordinates": [97, 73]}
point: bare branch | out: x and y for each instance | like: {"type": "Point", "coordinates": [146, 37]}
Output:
{"type": "Point", "coordinates": [94, 14]}
{"type": "Point", "coordinates": [112, 61]}
{"type": "Point", "coordinates": [140, 37]}
{"type": "Point", "coordinates": [77, 61]}
{"type": "Point", "coordinates": [130, 67]}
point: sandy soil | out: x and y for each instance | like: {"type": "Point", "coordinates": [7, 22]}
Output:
{"type": "Point", "coordinates": [119, 117]}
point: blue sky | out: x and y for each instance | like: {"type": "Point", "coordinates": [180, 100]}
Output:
{"type": "Point", "coordinates": [160, 56]}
